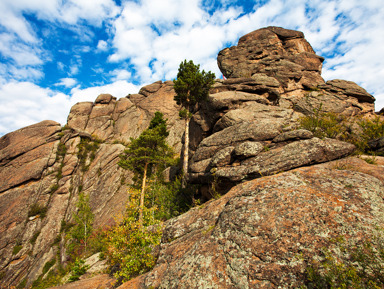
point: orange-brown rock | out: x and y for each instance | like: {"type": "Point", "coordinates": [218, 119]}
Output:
{"type": "Point", "coordinates": [275, 52]}
{"type": "Point", "coordinates": [98, 282]}
{"type": "Point", "coordinates": [263, 232]}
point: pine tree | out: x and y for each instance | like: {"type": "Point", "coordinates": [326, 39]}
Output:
{"type": "Point", "coordinates": [147, 152]}
{"type": "Point", "coordinates": [192, 88]}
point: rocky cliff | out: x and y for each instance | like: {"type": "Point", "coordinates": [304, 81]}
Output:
{"type": "Point", "coordinates": [246, 137]}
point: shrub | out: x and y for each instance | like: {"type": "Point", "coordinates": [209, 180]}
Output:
{"type": "Point", "coordinates": [130, 244]}
{"type": "Point", "coordinates": [87, 150]}
{"type": "Point", "coordinates": [48, 265]}
{"type": "Point", "coordinates": [78, 269]}
{"type": "Point", "coordinates": [36, 209]}
{"type": "Point", "coordinates": [323, 124]}
{"type": "Point", "coordinates": [17, 249]}
{"type": "Point", "coordinates": [359, 265]}
{"type": "Point", "coordinates": [34, 238]}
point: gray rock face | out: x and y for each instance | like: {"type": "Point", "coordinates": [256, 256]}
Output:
{"type": "Point", "coordinates": [377, 145]}
{"type": "Point", "coordinates": [248, 149]}
{"type": "Point", "coordinates": [293, 155]}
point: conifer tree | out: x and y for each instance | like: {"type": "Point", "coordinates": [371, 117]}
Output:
{"type": "Point", "coordinates": [192, 88]}
{"type": "Point", "coordinates": [148, 150]}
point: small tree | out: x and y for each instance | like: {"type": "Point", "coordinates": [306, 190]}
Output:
{"type": "Point", "coordinates": [192, 88]}
{"type": "Point", "coordinates": [130, 244]}
{"type": "Point", "coordinates": [83, 221]}
{"type": "Point", "coordinates": [148, 150]}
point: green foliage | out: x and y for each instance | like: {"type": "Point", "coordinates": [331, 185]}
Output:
{"type": "Point", "coordinates": [357, 266]}
{"type": "Point", "coordinates": [48, 265]}
{"type": "Point", "coordinates": [65, 226]}
{"type": "Point", "coordinates": [82, 228]}
{"type": "Point", "coordinates": [61, 151]}
{"type": "Point", "coordinates": [166, 198]}
{"type": "Point", "coordinates": [17, 249]}
{"type": "Point", "coordinates": [332, 125]}
{"type": "Point", "coordinates": [370, 129]}
{"type": "Point", "coordinates": [36, 209]}
{"type": "Point", "coordinates": [53, 188]}
{"type": "Point", "coordinates": [370, 160]}
{"type": "Point", "coordinates": [78, 269]}
{"type": "Point", "coordinates": [323, 124]}
{"type": "Point", "coordinates": [192, 86]}
{"type": "Point", "coordinates": [149, 150]}
{"type": "Point", "coordinates": [22, 284]}
{"type": "Point", "coordinates": [130, 244]}
{"type": "Point", "coordinates": [34, 237]}
{"type": "Point", "coordinates": [87, 151]}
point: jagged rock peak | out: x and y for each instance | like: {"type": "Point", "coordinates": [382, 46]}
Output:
{"type": "Point", "coordinates": [276, 52]}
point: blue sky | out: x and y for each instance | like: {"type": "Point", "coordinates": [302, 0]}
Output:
{"type": "Point", "coordinates": [55, 53]}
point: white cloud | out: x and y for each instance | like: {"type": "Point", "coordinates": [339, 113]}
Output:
{"type": "Point", "coordinates": [102, 45]}
{"type": "Point", "coordinates": [67, 82]}
{"type": "Point", "coordinates": [120, 74]}
{"type": "Point", "coordinates": [119, 89]}
{"type": "Point", "coordinates": [25, 103]}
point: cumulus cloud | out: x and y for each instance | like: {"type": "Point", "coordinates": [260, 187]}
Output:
{"type": "Point", "coordinates": [67, 82]}
{"type": "Point", "coordinates": [118, 89]}
{"type": "Point", "coordinates": [102, 45]}
{"type": "Point", "coordinates": [25, 103]}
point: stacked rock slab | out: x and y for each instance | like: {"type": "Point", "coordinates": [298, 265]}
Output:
{"type": "Point", "coordinates": [282, 58]}
{"type": "Point", "coordinates": [273, 79]}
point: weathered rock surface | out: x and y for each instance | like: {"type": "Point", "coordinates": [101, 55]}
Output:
{"type": "Point", "coordinates": [263, 232]}
{"type": "Point", "coordinates": [248, 129]}
{"type": "Point", "coordinates": [98, 282]}
{"type": "Point", "coordinates": [42, 165]}
{"type": "Point", "coordinates": [284, 61]}
{"type": "Point", "coordinates": [273, 52]}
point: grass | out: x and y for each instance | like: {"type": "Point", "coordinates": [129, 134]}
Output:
{"type": "Point", "coordinates": [36, 209]}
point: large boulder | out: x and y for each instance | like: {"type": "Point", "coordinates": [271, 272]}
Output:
{"type": "Point", "coordinates": [264, 232]}
{"type": "Point", "coordinates": [273, 54]}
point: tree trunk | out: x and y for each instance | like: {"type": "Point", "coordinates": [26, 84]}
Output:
{"type": "Point", "coordinates": [85, 238]}
{"type": "Point", "coordinates": [186, 150]}
{"type": "Point", "coordinates": [142, 195]}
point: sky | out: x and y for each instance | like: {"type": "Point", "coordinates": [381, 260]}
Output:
{"type": "Point", "coordinates": [55, 53]}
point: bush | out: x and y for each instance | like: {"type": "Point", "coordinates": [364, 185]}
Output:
{"type": "Point", "coordinates": [323, 124]}
{"type": "Point", "coordinates": [36, 209]}
{"type": "Point", "coordinates": [87, 150]}
{"type": "Point", "coordinates": [17, 249]}
{"type": "Point", "coordinates": [34, 238]}
{"type": "Point", "coordinates": [130, 244]}
{"type": "Point", "coordinates": [359, 265]}
{"type": "Point", "coordinates": [357, 131]}
{"type": "Point", "coordinates": [78, 269]}
{"type": "Point", "coordinates": [48, 265]}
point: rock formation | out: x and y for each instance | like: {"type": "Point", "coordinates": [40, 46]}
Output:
{"type": "Point", "coordinates": [43, 165]}
{"type": "Point", "coordinates": [262, 232]}
{"type": "Point", "coordinates": [279, 205]}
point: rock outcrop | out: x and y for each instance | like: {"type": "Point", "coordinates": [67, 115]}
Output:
{"type": "Point", "coordinates": [246, 137]}
{"type": "Point", "coordinates": [46, 166]}
{"type": "Point", "coordinates": [262, 233]}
